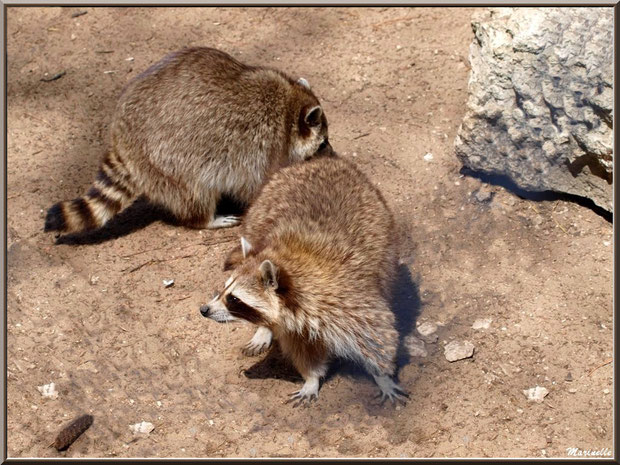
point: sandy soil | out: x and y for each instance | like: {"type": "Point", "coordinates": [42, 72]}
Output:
{"type": "Point", "coordinates": [96, 320]}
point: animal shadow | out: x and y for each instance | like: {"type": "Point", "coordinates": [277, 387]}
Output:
{"type": "Point", "coordinates": [273, 366]}
{"type": "Point", "coordinates": [139, 215]}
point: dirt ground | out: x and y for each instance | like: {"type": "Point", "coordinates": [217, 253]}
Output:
{"type": "Point", "coordinates": [96, 319]}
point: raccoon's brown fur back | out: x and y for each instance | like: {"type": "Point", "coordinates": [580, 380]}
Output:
{"type": "Point", "coordinates": [196, 126]}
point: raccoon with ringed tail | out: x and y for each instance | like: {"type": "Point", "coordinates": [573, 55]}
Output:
{"type": "Point", "coordinates": [314, 271]}
{"type": "Point", "coordinates": [194, 127]}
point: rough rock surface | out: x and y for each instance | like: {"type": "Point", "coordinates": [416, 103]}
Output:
{"type": "Point", "coordinates": [540, 103]}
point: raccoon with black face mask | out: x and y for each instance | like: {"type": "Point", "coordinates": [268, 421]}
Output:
{"type": "Point", "coordinates": [314, 271]}
{"type": "Point", "coordinates": [195, 127]}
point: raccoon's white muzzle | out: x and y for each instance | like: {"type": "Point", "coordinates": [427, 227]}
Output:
{"type": "Point", "coordinates": [216, 311]}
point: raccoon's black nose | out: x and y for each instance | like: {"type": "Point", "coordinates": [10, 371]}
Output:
{"type": "Point", "coordinates": [325, 149]}
{"type": "Point", "coordinates": [205, 310]}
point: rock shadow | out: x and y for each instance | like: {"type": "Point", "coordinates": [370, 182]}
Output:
{"type": "Point", "coordinates": [538, 196]}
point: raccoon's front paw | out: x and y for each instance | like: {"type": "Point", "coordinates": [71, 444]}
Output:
{"type": "Point", "coordinates": [306, 395]}
{"type": "Point", "coordinates": [224, 222]}
{"type": "Point", "coordinates": [390, 390]}
{"type": "Point", "coordinates": [260, 342]}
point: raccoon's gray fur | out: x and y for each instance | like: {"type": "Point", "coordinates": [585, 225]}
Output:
{"type": "Point", "coordinates": [194, 127]}
{"type": "Point", "coordinates": [314, 271]}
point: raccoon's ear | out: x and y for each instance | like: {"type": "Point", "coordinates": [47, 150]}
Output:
{"type": "Point", "coordinates": [313, 116]}
{"type": "Point", "coordinates": [303, 82]}
{"type": "Point", "coordinates": [269, 272]}
{"type": "Point", "coordinates": [246, 247]}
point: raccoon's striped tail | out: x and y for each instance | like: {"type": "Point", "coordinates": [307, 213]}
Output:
{"type": "Point", "coordinates": [110, 193]}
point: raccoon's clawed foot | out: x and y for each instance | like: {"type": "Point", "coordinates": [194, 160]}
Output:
{"type": "Point", "coordinates": [224, 222]}
{"type": "Point", "coordinates": [390, 390]}
{"type": "Point", "coordinates": [304, 396]}
{"type": "Point", "coordinates": [307, 394]}
{"type": "Point", "coordinates": [260, 342]}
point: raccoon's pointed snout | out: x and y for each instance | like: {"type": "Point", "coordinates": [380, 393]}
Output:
{"type": "Point", "coordinates": [325, 149]}
{"type": "Point", "coordinates": [205, 310]}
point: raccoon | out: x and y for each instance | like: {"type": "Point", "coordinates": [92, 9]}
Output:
{"type": "Point", "coordinates": [314, 271]}
{"type": "Point", "coordinates": [194, 127]}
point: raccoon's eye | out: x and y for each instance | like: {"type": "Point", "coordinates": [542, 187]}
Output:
{"type": "Point", "coordinates": [231, 299]}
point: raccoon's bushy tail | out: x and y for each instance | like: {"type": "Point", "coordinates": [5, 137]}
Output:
{"type": "Point", "coordinates": [111, 192]}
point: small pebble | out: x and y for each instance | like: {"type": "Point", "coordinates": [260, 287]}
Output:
{"type": "Point", "coordinates": [427, 331]}
{"type": "Point", "coordinates": [143, 427]}
{"type": "Point", "coordinates": [457, 350]}
{"type": "Point", "coordinates": [48, 390]}
{"type": "Point", "coordinates": [428, 157]}
{"type": "Point", "coordinates": [415, 346]}
{"type": "Point", "coordinates": [168, 282]}
{"type": "Point", "coordinates": [482, 324]}
{"type": "Point", "coordinates": [572, 390]}
{"type": "Point", "coordinates": [484, 194]}
{"type": "Point", "coordinates": [536, 394]}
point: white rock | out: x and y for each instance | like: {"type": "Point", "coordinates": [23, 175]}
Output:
{"type": "Point", "coordinates": [415, 346]}
{"type": "Point", "coordinates": [536, 394]}
{"type": "Point", "coordinates": [427, 331]}
{"type": "Point", "coordinates": [143, 427]}
{"type": "Point", "coordinates": [427, 328]}
{"type": "Point", "coordinates": [168, 282]}
{"type": "Point", "coordinates": [458, 350]}
{"type": "Point", "coordinates": [428, 157]}
{"type": "Point", "coordinates": [484, 194]}
{"type": "Point", "coordinates": [482, 323]}
{"type": "Point", "coordinates": [48, 390]}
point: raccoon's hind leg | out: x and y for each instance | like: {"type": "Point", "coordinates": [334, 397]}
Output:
{"type": "Point", "coordinates": [197, 212]}
{"type": "Point", "coordinates": [202, 213]}
{"type": "Point", "coordinates": [112, 191]}
{"type": "Point", "coordinates": [260, 342]}
{"type": "Point", "coordinates": [378, 345]}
